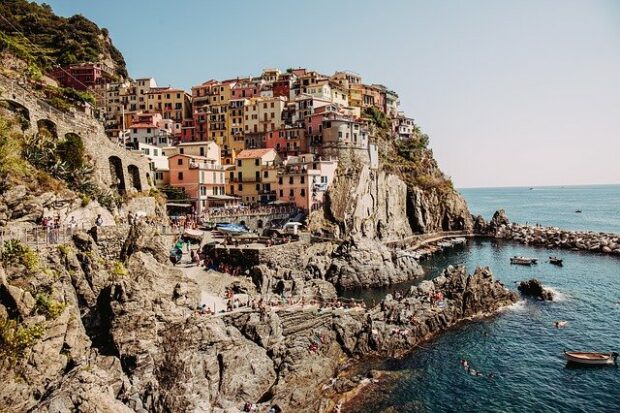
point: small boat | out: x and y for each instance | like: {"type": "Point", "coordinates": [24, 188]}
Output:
{"type": "Point", "coordinates": [578, 211]}
{"type": "Point", "coordinates": [556, 261]}
{"type": "Point", "coordinates": [519, 260]}
{"type": "Point", "coordinates": [591, 358]}
{"type": "Point", "coordinates": [232, 229]}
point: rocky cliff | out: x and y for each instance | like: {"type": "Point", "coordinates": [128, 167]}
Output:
{"type": "Point", "coordinates": [405, 194]}
{"type": "Point", "coordinates": [80, 332]}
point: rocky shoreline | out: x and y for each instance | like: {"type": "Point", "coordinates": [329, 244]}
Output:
{"type": "Point", "coordinates": [549, 237]}
{"type": "Point", "coordinates": [127, 337]}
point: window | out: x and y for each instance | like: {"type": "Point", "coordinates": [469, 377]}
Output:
{"type": "Point", "coordinates": [179, 161]}
{"type": "Point", "coordinates": [281, 193]}
{"type": "Point", "coordinates": [180, 176]}
{"type": "Point", "coordinates": [239, 162]}
{"type": "Point", "coordinates": [257, 162]}
{"type": "Point", "coordinates": [291, 192]}
{"type": "Point", "coordinates": [303, 192]}
{"type": "Point", "coordinates": [280, 180]}
{"type": "Point", "coordinates": [303, 179]}
{"type": "Point", "coordinates": [266, 174]}
{"type": "Point", "coordinates": [240, 187]}
{"type": "Point", "coordinates": [291, 180]}
{"type": "Point", "coordinates": [181, 151]}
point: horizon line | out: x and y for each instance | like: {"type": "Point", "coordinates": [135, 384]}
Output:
{"type": "Point", "coordinates": [537, 186]}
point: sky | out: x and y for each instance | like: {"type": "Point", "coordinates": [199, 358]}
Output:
{"type": "Point", "coordinates": [511, 93]}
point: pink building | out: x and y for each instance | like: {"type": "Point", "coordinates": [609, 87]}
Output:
{"type": "Point", "coordinates": [287, 141]}
{"type": "Point", "coordinates": [304, 180]}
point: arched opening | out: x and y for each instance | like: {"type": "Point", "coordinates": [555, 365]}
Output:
{"type": "Point", "coordinates": [259, 224]}
{"type": "Point", "coordinates": [116, 172]}
{"type": "Point", "coordinates": [134, 177]}
{"type": "Point", "coordinates": [47, 126]}
{"type": "Point", "coordinates": [22, 113]}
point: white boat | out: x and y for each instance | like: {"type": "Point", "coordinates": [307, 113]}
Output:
{"type": "Point", "coordinates": [232, 229]}
{"type": "Point", "coordinates": [591, 358]}
{"type": "Point", "coordinates": [519, 260]}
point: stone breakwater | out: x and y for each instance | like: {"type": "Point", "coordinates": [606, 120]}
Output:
{"type": "Point", "coordinates": [552, 237]}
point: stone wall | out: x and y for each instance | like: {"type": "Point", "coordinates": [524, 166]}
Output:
{"type": "Point", "coordinates": [134, 165]}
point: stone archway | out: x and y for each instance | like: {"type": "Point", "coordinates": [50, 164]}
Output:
{"type": "Point", "coordinates": [20, 110]}
{"type": "Point", "coordinates": [134, 177]}
{"type": "Point", "coordinates": [116, 172]}
{"type": "Point", "coordinates": [46, 125]}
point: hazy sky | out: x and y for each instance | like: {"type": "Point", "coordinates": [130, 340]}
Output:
{"type": "Point", "coordinates": [520, 92]}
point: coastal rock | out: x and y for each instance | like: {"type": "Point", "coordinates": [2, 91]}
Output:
{"type": "Point", "coordinates": [363, 263]}
{"type": "Point", "coordinates": [499, 220]}
{"type": "Point", "coordinates": [534, 288]}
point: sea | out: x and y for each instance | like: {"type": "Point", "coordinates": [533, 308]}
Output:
{"type": "Point", "coordinates": [518, 351]}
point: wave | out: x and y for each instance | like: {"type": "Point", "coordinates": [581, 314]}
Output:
{"type": "Point", "coordinates": [518, 306]}
{"type": "Point", "coordinates": [557, 294]}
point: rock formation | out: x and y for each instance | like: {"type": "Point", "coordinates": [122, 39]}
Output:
{"type": "Point", "coordinates": [534, 288]}
{"type": "Point", "coordinates": [114, 336]}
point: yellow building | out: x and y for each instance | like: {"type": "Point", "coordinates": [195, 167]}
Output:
{"type": "Point", "coordinates": [264, 114]}
{"type": "Point", "coordinates": [174, 104]}
{"type": "Point", "coordinates": [255, 176]}
{"type": "Point", "coordinates": [235, 138]}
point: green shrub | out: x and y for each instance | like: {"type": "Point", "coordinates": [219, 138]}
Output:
{"type": "Point", "coordinates": [15, 252]}
{"type": "Point", "coordinates": [65, 249]}
{"type": "Point", "coordinates": [49, 307]}
{"type": "Point", "coordinates": [15, 338]}
{"type": "Point", "coordinates": [85, 200]}
{"type": "Point", "coordinates": [118, 270]}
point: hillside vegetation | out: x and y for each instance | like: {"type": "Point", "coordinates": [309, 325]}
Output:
{"type": "Point", "coordinates": [53, 39]}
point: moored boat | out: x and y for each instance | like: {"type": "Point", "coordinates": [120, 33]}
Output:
{"type": "Point", "coordinates": [591, 358]}
{"type": "Point", "coordinates": [519, 260]}
{"type": "Point", "coordinates": [556, 261]}
{"type": "Point", "coordinates": [232, 229]}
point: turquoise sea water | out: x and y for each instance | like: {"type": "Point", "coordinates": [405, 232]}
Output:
{"type": "Point", "coordinates": [552, 206]}
{"type": "Point", "coordinates": [520, 346]}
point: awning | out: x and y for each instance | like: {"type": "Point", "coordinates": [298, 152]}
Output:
{"type": "Point", "coordinates": [175, 204]}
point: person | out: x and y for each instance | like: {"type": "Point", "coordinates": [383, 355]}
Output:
{"type": "Point", "coordinates": [99, 220]}
{"type": "Point", "coordinates": [72, 224]}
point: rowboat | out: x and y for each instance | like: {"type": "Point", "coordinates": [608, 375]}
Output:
{"type": "Point", "coordinates": [591, 358]}
{"type": "Point", "coordinates": [523, 260]}
{"type": "Point", "coordinates": [555, 261]}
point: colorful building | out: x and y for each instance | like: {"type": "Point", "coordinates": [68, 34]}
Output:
{"type": "Point", "coordinates": [200, 178]}
{"type": "Point", "coordinates": [83, 76]}
{"type": "Point", "coordinates": [304, 180]}
{"type": "Point", "coordinates": [264, 114]}
{"type": "Point", "coordinates": [254, 177]}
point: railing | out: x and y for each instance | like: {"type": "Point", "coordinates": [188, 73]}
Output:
{"type": "Point", "coordinates": [41, 236]}
{"type": "Point", "coordinates": [241, 212]}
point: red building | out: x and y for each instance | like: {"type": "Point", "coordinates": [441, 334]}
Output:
{"type": "Point", "coordinates": [83, 76]}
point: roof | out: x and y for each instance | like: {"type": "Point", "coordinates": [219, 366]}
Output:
{"type": "Point", "coordinates": [200, 158]}
{"type": "Point", "coordinates": [197, 143]}
{"type": "Point", "coordinates": [254, 153]}
{"type": "Point", "coordinates": [142, 126]}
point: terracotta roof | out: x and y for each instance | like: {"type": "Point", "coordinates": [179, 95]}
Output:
{"type": "Point", "coordinates": [142, 126]}
{"type": "Point", "coordinates": [253, 153]}
{"type": "Point", "coordinates": [202, 158]}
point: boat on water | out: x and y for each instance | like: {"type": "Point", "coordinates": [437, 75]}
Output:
{"type": "Point", "coordinates": [556, 261]}
{"type": "Point", "coordinates": [578, 211]}
{"type": "Point", "coordinates": [591, 358]}
{"type": "Point", "coordinates": [232, 229]}
{"type": "Point", "coordinates": [519, 260]}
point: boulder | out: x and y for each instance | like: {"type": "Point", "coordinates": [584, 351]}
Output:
{"type": "Point", "coordinates": [534, 288]}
